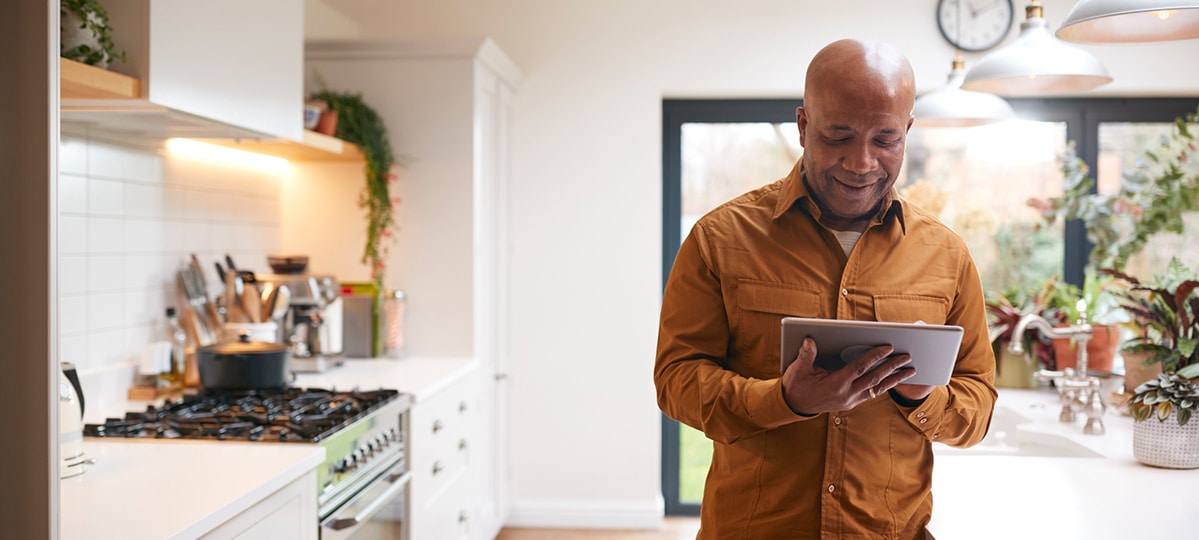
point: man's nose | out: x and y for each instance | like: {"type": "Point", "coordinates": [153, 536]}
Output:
{"type": "Point", "coordinates": [860, 159]}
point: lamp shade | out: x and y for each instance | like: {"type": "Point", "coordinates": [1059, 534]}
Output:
{"type": "Point", "coordinates": [950, 106]}
{"type": "Point", "coordinates": [1036, 63]}
{"type": "Point", "coordinates": [1130, 21]}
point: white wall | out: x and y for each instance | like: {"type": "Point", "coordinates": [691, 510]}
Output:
{"type": "Point", "coordinates": [129, 218]}
{"type": "Point", "coordinates": [586, 199]}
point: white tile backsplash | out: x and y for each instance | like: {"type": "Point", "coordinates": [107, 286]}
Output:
{"type": "Point", "coordinates": [129, 218]}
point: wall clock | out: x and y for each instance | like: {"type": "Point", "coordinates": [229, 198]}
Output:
{"type": "Point", "coordinates": [974, 25]}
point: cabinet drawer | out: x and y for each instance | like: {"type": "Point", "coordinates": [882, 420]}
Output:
{"type": "Point", "coordinates": [443, 431]}
{"type": "Point", "coordinates": [449, 516]}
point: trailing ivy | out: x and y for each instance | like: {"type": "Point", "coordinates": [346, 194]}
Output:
{"type": "Point", "coordinates": [94, 20]}
{"type": "Point", "coordinates": [359, 124]}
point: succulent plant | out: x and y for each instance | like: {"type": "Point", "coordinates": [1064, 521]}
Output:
{"type": "Point", "coordinates": [1169, 392]}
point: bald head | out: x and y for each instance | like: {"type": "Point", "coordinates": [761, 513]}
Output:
{"type": "Point", "coordinates": [867, 71]}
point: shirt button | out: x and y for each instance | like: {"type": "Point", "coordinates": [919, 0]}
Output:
{"type": "Point", "coordinates": [936, 435]}
{"type": "Point", "coordinates": [920, 414]}
{"type": "Point", "coordinates": [831, 488]}
{"type": "Point", "coordinates": [923, 420]}
{"type": "Point", "coordinates": [844, 292]}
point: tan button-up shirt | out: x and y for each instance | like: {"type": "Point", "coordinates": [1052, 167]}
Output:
{"type": "Point", "coordinates": [861, 473]}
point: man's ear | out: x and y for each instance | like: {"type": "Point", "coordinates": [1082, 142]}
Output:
{"type": "Point", "coordinates": [801, 121]}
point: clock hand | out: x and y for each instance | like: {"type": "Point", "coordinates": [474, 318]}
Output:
{"type": "Point", "coordinates": [975, 11]}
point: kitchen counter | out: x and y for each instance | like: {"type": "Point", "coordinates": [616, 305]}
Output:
{"type": "Point", "coordinates": [419, 377]}
{"type": "Point", "coordinates": [173, 489]}
{"type": "Point", "coordinates": [984, 496]}
{"type": "Point", "coordinates": [154, 489]}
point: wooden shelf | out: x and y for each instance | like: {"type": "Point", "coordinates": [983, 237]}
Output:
{"type": "Point", "coordinates": [81, 81]}
{"type": "Point", "coordinates": [112, 102]}
{"type": "Point", "coordinates": [313, 147]}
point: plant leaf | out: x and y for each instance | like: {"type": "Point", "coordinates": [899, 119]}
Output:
{"type": "Point", "coordinates": [1184, 416]}
{"type": "Point", "coordinates": [1189, 372]}
{"type": "Point", "coordinates": [1163, 410]}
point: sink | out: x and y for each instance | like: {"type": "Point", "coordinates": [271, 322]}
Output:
{"type": "Point", "coordinates": [1006, 438]}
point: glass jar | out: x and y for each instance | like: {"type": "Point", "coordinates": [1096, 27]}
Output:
{"type": "Point", "coordinates": [393, 323]}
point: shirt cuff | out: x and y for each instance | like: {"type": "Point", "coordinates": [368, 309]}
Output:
{"type": "Point", "coordinates": [766, 406]}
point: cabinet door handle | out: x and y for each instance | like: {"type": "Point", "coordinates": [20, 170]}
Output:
{"type": "Point", "coordinates": [437, 467]}
{"type": "Point", "coordinates": [437, 426]}
{"type": "Point", "coordinates": [462, 516]}
{"type": "Point", "coordinates": [461, 407]}
{"type": "Point", "coordinates": [462, 444]}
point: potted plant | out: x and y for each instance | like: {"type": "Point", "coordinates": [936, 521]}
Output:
{"type": "Point", "coordinates": [1163, 316]}
{"type": "Point", "coordinates": [1095, 302]}
{"type": "Point", "coordinates": [360, 124]}
{"type": "Point", "coordinates": [84, 33]}
{"type": "Point", "coordinates": [1004, 312]}
{"type": "Point", "coordinates": [1171, 441]}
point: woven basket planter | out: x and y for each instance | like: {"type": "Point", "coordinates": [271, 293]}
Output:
{"type": "Point", "coordinates": [1166, 444]}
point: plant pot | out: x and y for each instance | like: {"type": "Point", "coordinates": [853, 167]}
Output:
{"type": "Point", "coordinates": [1165, 443]}
{"type": "Point", "coordinates": [327, 125]}
{"type": "Point", "coordinates": [1014, 370]}
{"type": "Point", "coordinates": [1135, 372]}
{"type": "Point", "coordinates": [1101, 349]}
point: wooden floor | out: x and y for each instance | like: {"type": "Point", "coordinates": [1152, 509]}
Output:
{"type": "Point", "coordinates": [673, 528]}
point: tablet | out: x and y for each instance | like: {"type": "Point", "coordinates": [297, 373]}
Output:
{"type": "Point", "coordinates": [934, 348]}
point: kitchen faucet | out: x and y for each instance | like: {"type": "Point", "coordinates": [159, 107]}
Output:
{"type": "Point", "coordinates": [1076, 390]}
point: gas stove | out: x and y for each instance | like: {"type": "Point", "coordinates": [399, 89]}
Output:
{"type": "Point", "coordinates": [364, 433]}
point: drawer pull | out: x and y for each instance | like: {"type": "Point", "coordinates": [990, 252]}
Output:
{"type": "Point", "coordinates": [461, 407]}
{"type": "Point", "coordinates": [462, 517]}
{"type": "Point", "coordinates": [437, 467]}
{"type": "Point", "coordinates": [437, 426]}
{"type": "Point", "coordinates": [461, 444]}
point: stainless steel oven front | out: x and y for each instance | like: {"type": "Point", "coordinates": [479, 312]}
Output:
{"type": "Point", "coordinates": [364, 494]}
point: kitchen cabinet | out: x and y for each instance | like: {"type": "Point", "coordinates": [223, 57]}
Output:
{"type": "Point", "coordinates": [448, 106]}
{"type": "Point", "coordinates": [108, 92]}
{"type": "Point", "coordinates": [287, 513]}
{"type": "Point", "coordinates": [218, 68]}
{"type": "Point", "coordinates": [444, 432]}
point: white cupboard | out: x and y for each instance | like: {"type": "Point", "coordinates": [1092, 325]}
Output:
{"type": "Point", "coordinates": [447, 104]}
{"type": "Point", "coordinates": [217, 68]}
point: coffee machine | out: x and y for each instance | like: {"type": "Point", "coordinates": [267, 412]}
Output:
{"type": "Point", "coordinates": [312, 325]}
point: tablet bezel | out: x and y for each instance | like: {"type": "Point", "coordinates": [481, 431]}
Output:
{"type": "Point", "coordinates": [934, 348]}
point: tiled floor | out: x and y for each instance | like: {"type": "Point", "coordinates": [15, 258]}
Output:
{"type": "Point", "coordinates": [673, 528]}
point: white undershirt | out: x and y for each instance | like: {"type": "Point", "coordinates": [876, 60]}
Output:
{"type": "Point", "coordinates": [847, 239]}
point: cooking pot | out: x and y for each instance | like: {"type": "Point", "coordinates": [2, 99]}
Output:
{"type": "Point", "coordinates": [243, 365]}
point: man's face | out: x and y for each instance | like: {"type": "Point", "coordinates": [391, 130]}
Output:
{"type": "Point", "coordinates": [853, 147]}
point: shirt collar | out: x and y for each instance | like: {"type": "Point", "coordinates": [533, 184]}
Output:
{"type": "Point", "coordinates": [795, 192]}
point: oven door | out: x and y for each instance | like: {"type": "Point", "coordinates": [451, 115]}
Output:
{"type": "Point", "coordinates": [380, 510]}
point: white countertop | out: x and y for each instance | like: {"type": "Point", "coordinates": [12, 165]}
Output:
{"type": "Point", "coordinates": [984, 497]}
{"type": "Point", "coordinates": [154, 490]}
{"type": "Point", "coordinates": [173, 489]}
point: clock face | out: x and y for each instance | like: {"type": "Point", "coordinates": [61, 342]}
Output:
{"type": "Point", "coordinates": [974, 25]}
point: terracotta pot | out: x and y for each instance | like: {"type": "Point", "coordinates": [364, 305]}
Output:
{"type": "Point", "coordinates": [327, 125]}
{"type": "Point", "coordinates": [1135, 372]}
{"type": "Point", "coordinates": [1101, 349]}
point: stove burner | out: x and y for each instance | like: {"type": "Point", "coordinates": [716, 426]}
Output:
{"type": "Point", "coordinates": [277, 415]}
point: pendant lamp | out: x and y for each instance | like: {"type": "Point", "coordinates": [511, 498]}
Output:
{"type": "Point", "coordinates": [1130, 21]}
{"type": "Point", "coordinates": [1036, 63]}
{"type": "Point", "coordinates": [950, 106]}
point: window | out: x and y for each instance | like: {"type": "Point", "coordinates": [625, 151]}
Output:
{"type": "Point", "coordinates": [981, 177]}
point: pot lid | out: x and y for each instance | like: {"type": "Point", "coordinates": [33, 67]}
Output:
{"type": "Point", "coordinates": [243, 345]}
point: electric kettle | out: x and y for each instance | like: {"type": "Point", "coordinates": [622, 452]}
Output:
{"type": "Point", "coordinates": [70, 422]}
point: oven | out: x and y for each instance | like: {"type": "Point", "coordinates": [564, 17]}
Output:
{"type": "Point", "coordinates": [362, 486]}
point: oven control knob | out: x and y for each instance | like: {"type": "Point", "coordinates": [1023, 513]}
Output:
{"type": "Point", "coordinates": [339, 466]}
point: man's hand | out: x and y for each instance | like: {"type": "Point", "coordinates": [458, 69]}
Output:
{"type": "Point", "coordinates": [809, 389]}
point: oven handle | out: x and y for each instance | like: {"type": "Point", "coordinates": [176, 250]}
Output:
{"type": "Point", "coordinates": [398, 482]}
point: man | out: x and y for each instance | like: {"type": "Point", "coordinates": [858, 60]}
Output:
{"type": "Point", "coordinates": [817, 454]}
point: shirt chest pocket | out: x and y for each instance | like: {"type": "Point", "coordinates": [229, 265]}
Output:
{"type": "Point", "coordinates": [757, 334]}
{"type": "Point", "coordinates": [910, 308]}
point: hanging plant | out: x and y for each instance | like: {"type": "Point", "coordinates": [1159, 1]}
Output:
{"type": "Point", "coordinates": [359, 124]}
{"type": "Point", "coordinates": [84, 33]}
